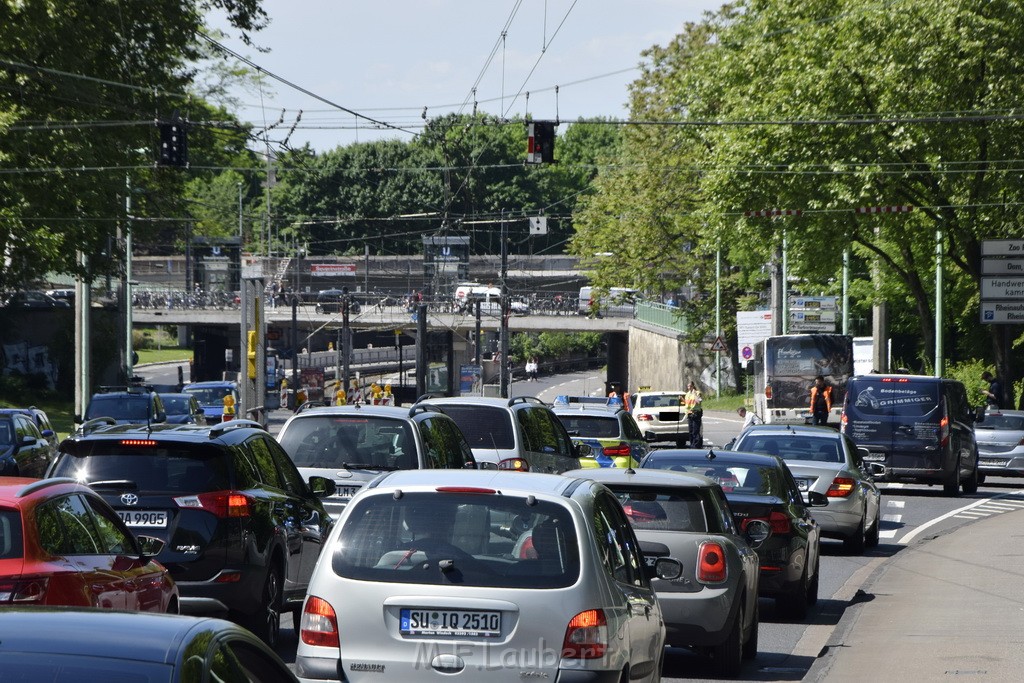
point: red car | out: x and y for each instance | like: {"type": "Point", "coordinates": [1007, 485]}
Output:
{"type": "Point", "coordinates": [62, 544]}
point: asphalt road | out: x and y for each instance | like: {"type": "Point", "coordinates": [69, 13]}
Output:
{"type": "Point", "coordinates": [787, 650]}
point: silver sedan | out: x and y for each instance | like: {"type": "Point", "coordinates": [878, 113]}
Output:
{"type": "Point", "coordinates": [823, 460]}
{"type": "Point", "coordinates": [1000, 438]}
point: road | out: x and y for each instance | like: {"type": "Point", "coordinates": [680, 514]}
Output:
{"type": "Point", "coordinates": [787, 650]}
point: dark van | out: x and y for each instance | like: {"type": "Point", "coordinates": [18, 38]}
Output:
{"type": "Point", "coordinates": [916, 429]}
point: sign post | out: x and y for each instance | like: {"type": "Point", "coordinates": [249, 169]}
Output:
{"type": "Point", "coordinates": [1002, 282]}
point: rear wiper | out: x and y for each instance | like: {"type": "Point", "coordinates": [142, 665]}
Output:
{"type": "Point", "coordinates": [367, 466]}
{"type": "Point", "coordinates": [114, 484]}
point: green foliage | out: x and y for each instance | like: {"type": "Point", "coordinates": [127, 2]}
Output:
{"type": "Point", "coordinates": [553, 345]}
{"type": "Point", "coordinates": [969, 372]}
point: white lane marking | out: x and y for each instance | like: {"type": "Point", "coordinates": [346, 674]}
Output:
{"type": "Point", "coordinates": [952, 513]}
{"type": "Point", "coordinates": [1004, 506]}
{"type": "Point", "coordinates": [893, 485]}
{"type": "Point", "coordinates": [896, 503]}
{"type": "Point", "coordinates": [892, 518]}
{"type": "Point", "coordinates": [887, 533]}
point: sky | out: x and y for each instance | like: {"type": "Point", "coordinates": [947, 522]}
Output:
{"type": "Point", "coordinates": [390, 59]}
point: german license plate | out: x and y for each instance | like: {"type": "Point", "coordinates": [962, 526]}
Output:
{"type": "Point", "coordinates": [347, 491]}
{"type": "Point", "coordinates": [151, 518]}
{"type": "Point", "coordinates": [803, 484]}
{"type": "Point", "coordinates": [991, 462]}
{"type": "Point", "coordinates": [874, 457]}
{"type": "Point", "coordinates": [450, 622]}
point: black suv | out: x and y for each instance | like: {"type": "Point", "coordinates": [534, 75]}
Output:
{"type": "Point", "coordinates": [126, 405]}
{"type": "Point", "coordinates": [240, 530]}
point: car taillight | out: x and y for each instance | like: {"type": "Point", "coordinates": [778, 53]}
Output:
{"type": "Point", "coordinates": [642, 417]}
{"type": "Point", "coordinates": [841, 487]}
{"type": "Point", "coordinates": [319, 624]}
{"type": "Point", "coordinates": [621, 449]}
{"type": "Point", "coordinates": [778, 521]}
{"type": "Point", "coordinates": [218, 503]}
{"type": "Point", "coordinates": [711, 567]}
{"type": "Point", "coordinates": [768, 392]}
{"type": "Point", "coordinates": [23, 591]}
{"type": "Point", "coordinates": [514, 464]}
{"type": "Point", "coordinates": [843, 421]}
{"type": "Point", "coordinates": [944, 431]}
{"type": "Point", "coordinates": [586, 636]}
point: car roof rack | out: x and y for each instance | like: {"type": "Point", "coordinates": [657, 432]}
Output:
{"type": "Point", "coordinates": [125, 388]}
{"type": "Point", "coordinates": [42, 484]}
{"type": "Point", "coordinates": [524, 399]}
{"type": "Point", "coordinates": [310, 404]}
{"type": "Point", "coordinates": [429, 395]}
{"type": "Point", "coordinates": [418, 408]}
{"type": "Point", "coordinates": [95, 423]}
{"type": "Point", "coordinates": [223, 427]}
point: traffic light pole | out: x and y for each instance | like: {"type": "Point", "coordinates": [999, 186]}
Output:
{"type": "Point", "coordinates": [504, 365]}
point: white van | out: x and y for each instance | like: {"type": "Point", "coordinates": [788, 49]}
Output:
{"type": "Point", "coordinates": [618, 302]}
{"type": "Point", "coordinates": [469, 292]}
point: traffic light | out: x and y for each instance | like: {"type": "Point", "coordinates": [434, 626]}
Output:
{"type": "Point", "coordinates": [540, 142]}
{"type": "Point", "coordinates": [173, 143]}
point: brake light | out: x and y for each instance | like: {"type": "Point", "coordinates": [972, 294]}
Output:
{"type": "Point", "coordinates": [224, 504]}
{"type": "Point", "coordinates": [944, 431]}
{"type": "Point", "coordinates": [768, 392]}
{"type": "Point", "coordinates": [711, 567]}
{"type": "Point", "coordinates": [586, 636]}
{"type": "Point", "coordinates": [138, 442]}
{"type": "Point", "coordinates": [843, 421]}
{"type": "Point", "coordinates": [638, 515]}
{"type": "Point", "coordinates": [621, 449]}
{"type": "Point", "coordinates": [778, 521]}
{"type": "Point", "coordinates": [319, 624]}
{"type": "Point", "coordinates": [642, 417]}
{"type": "Point", "coordinates": [514, 464]}
{"type": "Point", "coordinates": [24, 590]}
{"type": "Point", "coordinates": [841, 487]}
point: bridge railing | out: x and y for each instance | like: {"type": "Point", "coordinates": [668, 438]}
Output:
{"type": "Point", "coordinates": [662, 315]}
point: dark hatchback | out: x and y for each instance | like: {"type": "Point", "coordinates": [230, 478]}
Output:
{"type": "Point", "coordinates": [24, 450]}
{"type": "Point", "coordinates": [760, 486]}
{"type": "Point", "coordinates": [241, 529]}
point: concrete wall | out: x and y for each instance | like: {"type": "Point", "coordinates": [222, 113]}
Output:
{"type": "Point", "coordinates": [664, 361]}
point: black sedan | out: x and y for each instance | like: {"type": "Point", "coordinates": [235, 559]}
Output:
{"type": "Point", "coordinates": [762, 487]}
{"type": "Point", "coordinates": [43, 644]}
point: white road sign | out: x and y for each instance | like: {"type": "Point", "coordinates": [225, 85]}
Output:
{"type": "Point", "coordinates": [752, 327]}
{"type": "Point", "coordinates": [994, 312]}
{"type": "Point", "coordinates": [816, 302]}
{"type": "Point", "coordinates": [1002, 247]}
{"type": "Point", "coordinates": [1002, 266]}
{"type": "Point", "coordinates": [812, 316]}
{"type": "Point", "coordinates": [1002, 288]}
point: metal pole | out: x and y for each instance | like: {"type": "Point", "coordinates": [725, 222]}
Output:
{"type": "Point", "coordinates": [718, 320]}
{"type": "Point", "coordinates": [346, 341]}
{"type": "Point", "coordinates": [366, 268]}
{"type": "Point", "coordinates": [129, 361]}
{"type": "Point", "coordinates": [785, 283]}
{"type": "Point", "coordinates": [846, 290]}
{"type": "Point", "coordinates": [295, 352]}
{"type": "Point", "coordinates": [939, 360]}
{"type": "Point", "coordinates": [503, 374]}
{"type": "Point", "coordinates": [241, 237]}
{"type": "Point", "coordinates": [479, 341]}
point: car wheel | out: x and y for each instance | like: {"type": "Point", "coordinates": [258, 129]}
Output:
{"type": "Point", "coordinates": [728, 655]}
{"type": "Point", "coordinates": [970, 486]}
{"type": "Point", "coordinates": [266, 622]}
{"type": "Point", "coordinates": [812, 586]}
{"type": "Point", "coordinates": [794, 605]}
{"type": "Point", "coordinates": [981, 477]}
{"type": "Point", "coordinates": [872, 539]}
{"type": "Point", "coordinates": [854, 544]}
{"type": "Point", "coordinates": [750, 646]}
{"type": "Point", "coordinates": [952, 488]}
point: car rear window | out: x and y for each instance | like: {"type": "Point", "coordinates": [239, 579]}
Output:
{"type": "Point", "coordinates": [6, 432]}
{"type": "Point", "coordinates": [159, 468]}
{"type": "Point", "coordinates": [483, 426]}
{"type": "Point", "coordinates": [734, 477]}
{"type": "Point", "coordinates": [209, 396]}
{"type": "Point", "coordinates": [175, 404]}
{"type": "Point", "coordinates": [492, 540]}
{"type": "Point", "coordinates": [795, 447]}
{"type": "Point", "coordinates": [346, 441]}
{"type": "Point", "coordinates": [119, 407]}
{"type": "Point", "coordinates": [664, 401]}
{"type": "Point", "coordinates": [901, 397]}
{"type": "Point", "coordinates": [666, 509]}
{"type": "Point", "coordinates": [10, 534]}
{"type": "Point", "coordinates": [1008, 423]}
{"type": "Point", "coordinates": [593, 426]}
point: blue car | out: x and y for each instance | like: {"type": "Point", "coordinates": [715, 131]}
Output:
{"type": "Point", "coordinates": [211, 397]}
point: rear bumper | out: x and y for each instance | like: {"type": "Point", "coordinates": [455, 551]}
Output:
{"type": "Point", "coordinates": [214, 597]}
{"type": "Point", "coordinates": [699, 619]}
{"type": "Point", "coordinates": [840, 519]}
{"type": "Point", "coordinates": [1001, 464]}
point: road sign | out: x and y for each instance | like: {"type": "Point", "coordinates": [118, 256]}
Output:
{"type": "Point", "coordinates": [825, 302]}
{"type": "Point", "coordinates": [1002, 247]}
{"type": "Point", "coordinates": [1002, 266]}
{"type": "Point", "coordinates": [812, 316]}
{"type": "Point", "coordinates": [1003, 288]}
{"type": "Point", "coordinates": [747, 353]}
{"type": "Point", "coordinates": [994, 312]}
{"type": "Point", "coordinates": [719, 345]}
{"type": "Point", "coordinates": [752, 327]}
{"type": "Point", "coordinates": [801, 327]}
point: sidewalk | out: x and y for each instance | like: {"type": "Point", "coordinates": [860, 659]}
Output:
{"type": "Point", "coordinates": [951, 606]}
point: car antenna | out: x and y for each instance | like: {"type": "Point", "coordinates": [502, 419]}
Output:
{"type": "Point", "coordinates": [711, 455]}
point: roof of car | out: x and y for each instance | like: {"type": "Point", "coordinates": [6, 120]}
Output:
{"type": "Point", "coordinates": [484, 401]}
{"type": "Point", "coordinates": [804, 430]}
{"type": "Point", "coordinates": [695, 455]}
{"type": "Point", "coordinates": [642, 477]}
{"type": "Point", "coordinates": [231, 431]}
{"type": "Point", "coordinates": [588, 409]}
{"type": "Point", "coordinates": [14, 489]}
{"type": "Point", "coordinates": [676, 392]}
{"type": "Point", "coordinates": [369, 410]}
{"type": "Point", "coordinates": [505, 482]}
{"type": "Point", "coordinates": [86, 632]}
{"type": "Point", "coordinates": [916, 378]}
{"type": "Point", "coordinates": [212, 383]}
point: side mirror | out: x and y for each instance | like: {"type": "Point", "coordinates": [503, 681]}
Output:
{"type": "Point", "coordinates": [816, 499]}
{"type": "Point", "coordinates": [584, 450]}
{"type": "Point", "coordinates": [876, 469]}
{"type": "Point", "coordinates": [470, 465]}
{"type": "Point", "coordinates": [150, 545]}
{"type": "Point", "coordinates": [666, 569]}
{"type": "Point", "coordinates": [27, 441]}
{"type": "Point", "coordinates": [322, 487]}
{"type": "Point", "coordinates": [757, 532]}
{"type": "Point", "coordinates": [78, 419]}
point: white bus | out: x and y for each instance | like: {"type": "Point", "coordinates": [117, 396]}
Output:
{"type": "Point", "coordinates": [784, 368]}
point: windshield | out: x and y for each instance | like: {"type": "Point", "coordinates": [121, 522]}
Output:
{"type": "Point", "coordinates": [210, 396]}
{"type": "Point", "coordinates": [1003, 423]}
{"type": "Point", "coordinates": [347, 441]}
{"type": "Point", "coordinates": [793, 447]}
{"type": "Point", "coordinates": [119, 407]}
{"type": "Point", "coordinates": [176, 404]}
{"type": "Point", "coordinates": [592, 426]}
{"type": "Point", "coordinates": [159, 468]}
{"type": "Point", "coordinates": [483, 426]}
{"type": "Point", "coordinates": [491, 540]}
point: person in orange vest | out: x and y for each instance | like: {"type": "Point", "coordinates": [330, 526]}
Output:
{"type": "Point", "coordinates": [821, 401]}
{"type": "Point", "coordinates": [694, 412]}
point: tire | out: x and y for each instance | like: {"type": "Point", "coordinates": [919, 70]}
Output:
{"type": "Point", "coordinates": [981, 477]}
{"type": "Point", "coordinates": [728, 654]}
{"type": "Point", "coordinates": [794, 605]}
{"type": "Point", "coordinates": [970, 485]}
{"type": "Point", "coordinates": [750, 646]}
{"type": "Point", "coordinates": [812, 586]}
{"type": "Point", "coordinates": [855, 544]}
{"type": "Point", "coordinates": [872, 536]}
{"type": "Point", "coordinates": [266, 622]}
{"type": "Point", "coordinates": [952, 489]}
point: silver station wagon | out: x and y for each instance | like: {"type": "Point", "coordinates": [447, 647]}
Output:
{"type": "Point", "coordinates": [482, 575]}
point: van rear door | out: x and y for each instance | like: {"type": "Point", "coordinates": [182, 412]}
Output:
{"type": "Point", "coordinates": [897, 416]}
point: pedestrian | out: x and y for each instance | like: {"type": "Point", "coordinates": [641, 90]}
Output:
{"type": "Point", "coordinates": [994, 392]}
{"type": "Point", "coordinates": [531, 370]}
{"type": "Point", "coordinates": [749, 418]}
{"type": "Point", "coordinates": [821, 401]}
{"type": "Point", "coordinates": [694, 411]}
